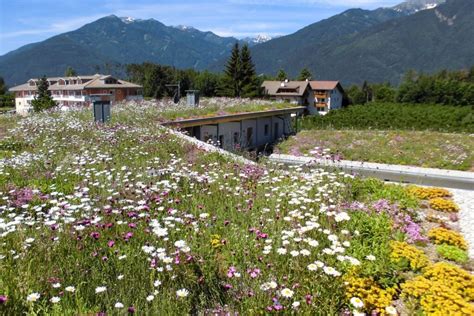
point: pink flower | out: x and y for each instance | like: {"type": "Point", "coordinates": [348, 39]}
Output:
{"type": "Point", "coordinates": [95, 235]}
{"type": "Point", "coordinates": [111, 243]}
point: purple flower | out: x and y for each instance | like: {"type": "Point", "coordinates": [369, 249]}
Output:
{"type": "Point", "coordinates": [131, 309]}
{"type": "Point", "coordinates": [3, 299]}
{"type": "Point", "coordinates": [110, 243]}
{"type": "Point", "coordinates": [95, 235]}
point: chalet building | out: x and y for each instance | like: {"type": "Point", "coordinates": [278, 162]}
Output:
{"type": "Point", "coordinates": [78, 91]}
{"type": "Point", "coordinates": [297, 92]}
{"type": "Point", "coordinates": [319, 97]}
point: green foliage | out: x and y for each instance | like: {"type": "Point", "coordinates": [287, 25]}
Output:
{"type": "Point", "coordinates": [232, 74]}
{"type": "Point", "coordinates": [7, 100]}
{"type": "Point", "coordinates": [281, 76]}
{"type": "Point", "coordinates": [355, 95]}
{"type": "Point", "coordinates": [452, 253]}
{"type": "Point", "coordinates": [250, 82]}
{"type": "Point", "coordinates": [240, 79]}
{"type": "Point", "coordinates": [305, 74]}
{"type": "Point", "coordinates": [43, 100]}
{"type": "Point", "coordinates": [70, 72]}
{"type": "Point", "coordinates": [3, 87]}
{"type": "Point", "coordinates": [444, 87]}
{"type": "Point", "coordinates": [370, 190]}
{"type": "Point", "coordinates": [388, 116]}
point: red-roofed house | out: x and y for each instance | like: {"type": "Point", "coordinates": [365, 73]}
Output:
{"type": "Point", "coordinates": [327, 96]}
{"type": "Point", "coordinates": [319, 97]}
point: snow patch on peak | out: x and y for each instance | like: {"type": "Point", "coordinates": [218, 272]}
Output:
{"type": "Point", "coordinates": [184, 27]}
{"type": "Point", "coordinates": [127, 19]}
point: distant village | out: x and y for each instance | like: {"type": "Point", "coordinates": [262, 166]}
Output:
{"type": "Point", "coordinates": [250, 130]}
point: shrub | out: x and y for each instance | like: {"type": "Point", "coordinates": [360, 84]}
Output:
{"type": "Point", "coordinates": [443, 205]}
{"type": "Point", "coordinates": [402, 251]}
{"type": "Point", "coordinates": [452, 253]}
{"type": "Point", "coordinates": [442, 235]}
{"type": "Point", "coordinates": [409, 116]}
{"type": "Point", "coordinates": [428, 193]}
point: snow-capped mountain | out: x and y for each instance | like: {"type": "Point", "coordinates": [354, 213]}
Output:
{"type": "Point", "coordinates": [257, 39]}
{"type": "Point", "coordinates": [413, 6]}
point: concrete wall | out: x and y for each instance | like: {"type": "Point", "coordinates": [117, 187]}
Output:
{"type": "Point", "coordinates": [264, 131]}
{"type": "Point", "coordinates": [209, 133]}
{"type": "Point", "coordinates": [335, 101]}
{"type": "Point", "coordinates": [245, 134]}
{"type": "Point", "coordinates": [229, 135]}
{"type": "Point", "coordinates": [249, 140]}
{"type": "Point", "coordinates": [23, 105]}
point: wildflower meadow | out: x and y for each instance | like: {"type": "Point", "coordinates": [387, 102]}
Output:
{"type": "Point", "coordinates": [126, 218]}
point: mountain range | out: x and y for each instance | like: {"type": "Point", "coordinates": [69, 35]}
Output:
{"type": "Point", "coordinates": [356, 45]}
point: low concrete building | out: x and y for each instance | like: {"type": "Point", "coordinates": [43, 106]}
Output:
{"type": "Point", "coordinates": [253, 130]}
{"type": "Point", "coordinates": [77, 91]}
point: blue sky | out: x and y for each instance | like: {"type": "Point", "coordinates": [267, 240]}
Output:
{"type": "Point", "coordinates": [27, 21]}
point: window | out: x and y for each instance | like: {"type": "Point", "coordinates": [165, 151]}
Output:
{"type": "Point", "coordinates": [249, 136]}
{"type": "Point", "coordinates": [277, 132]}
{"type": "Point", "coordinates": [266, 130]}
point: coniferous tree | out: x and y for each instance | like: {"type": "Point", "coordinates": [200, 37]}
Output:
{"type": "Point", "coordinates": [3, 88]}
{"type": "Point", "coordinates": [250, 84]}
{"type": "Point", "coordinates": [305, 74]}
{"type": "Point", "coordinates": [43, 99]}
{"type": "Point", "coordinates": [281, 76]}
{"type": "Point", "coordinates": [233, 75]}
{"type": "Point", "coordinates": [70, 72]}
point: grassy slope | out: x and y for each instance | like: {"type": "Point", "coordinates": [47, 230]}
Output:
{"type": "Point", "coordinates": [416, 148]}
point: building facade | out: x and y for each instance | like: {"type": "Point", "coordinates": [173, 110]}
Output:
{"type": "Point", "coordinates": [319, 97]}
{"type": "Point", "coordinates": [77, 91]}
{"type": "Point", "coordinates": [296, 92]}
{"type": "Point", "coordinates": [249, 131]}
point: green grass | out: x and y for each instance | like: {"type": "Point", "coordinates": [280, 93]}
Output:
{"type": "Point", "coordinates": [185, 112]}
{"type": "Point", "coordinates": [394, 116]}
{"type": "Point", "coordinates": [417, 148]}
{"type": "Point", "coordinates": [5, 109]}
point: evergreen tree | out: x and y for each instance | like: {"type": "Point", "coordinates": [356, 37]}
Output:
{"type": "Point", "coordinates": [3, 88]}
{"type": "Point", "coordinates": [43, 99]}
{"type": "Point", "coordinates": [250, 84]}
{"type": "Point", "coordinates": [233, 75]}
{"type": "Point", "coordinates": [281, 76]}
{"type": "Point", "coordinates": [367, 90]}
{"type": "Point", "coordinates": [305, 74]}
{"type": "Point", "coordinates": [70, 72]}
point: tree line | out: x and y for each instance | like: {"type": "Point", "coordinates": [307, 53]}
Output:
{"type": "Point", "coordinates": [238, 80]}
{"type": "Point", "coordinates": [444, 87]}
{"type": "Point", "coordinates": [6, 99]}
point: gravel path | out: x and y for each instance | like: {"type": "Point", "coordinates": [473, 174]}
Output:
{"type": "Point", "coordinates": [465, 200]}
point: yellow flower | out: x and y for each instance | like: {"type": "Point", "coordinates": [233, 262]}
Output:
{"type": "Point", "coordinates": [428, 193]}
{"type": "Point", "coordinates": [443, 205]}
{"type": "Point", "coordinates": [442, 235]}
{"type": "Point", "coordinates": [443, 289]}
{"type": "Point", "coordinates": [415, 256]}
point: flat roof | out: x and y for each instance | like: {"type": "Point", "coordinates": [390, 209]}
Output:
{"type": "Point", "coordinates": [230, 117]}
